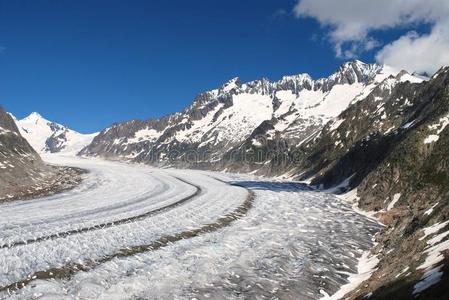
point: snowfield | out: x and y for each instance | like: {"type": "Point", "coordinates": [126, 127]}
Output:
{"type": "Point", "coordinates": [137, 232]}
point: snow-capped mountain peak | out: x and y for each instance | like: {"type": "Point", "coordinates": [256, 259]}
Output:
{"type": "Point", "coordinates": [34, 116]}
{"type": "Point", "coordinates": [231, 84]}
{"type": "Point", "coordinates": [47, 136]}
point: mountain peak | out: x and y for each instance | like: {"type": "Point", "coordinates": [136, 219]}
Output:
{"type": "Point", "coordinates": [358, 62]}
{"type": "Point", "coordinates": [355, 71]}
{"type": "Point", "coordinates": [47, 136]}
{"type": "Point", "coordinates": [442, 70]}
{"type": "Point", "coordinates": [34, 116]}
{"type": "Point", "coordinates": [358, 65]}
{"type": "Point", "coordinates": [231, 84]}
{"type": "Point", "coordinates": [401, 74]}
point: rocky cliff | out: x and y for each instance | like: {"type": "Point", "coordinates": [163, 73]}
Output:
{"type": "Point", "coordinates": [409, 190]}
{"type": "Point", "coordinates": [22, 172]}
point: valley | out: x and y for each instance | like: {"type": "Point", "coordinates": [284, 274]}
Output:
{"type": "Point", "coordinates": [334, 188]}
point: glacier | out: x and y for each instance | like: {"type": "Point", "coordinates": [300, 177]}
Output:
{"type": "Point", "coordinates": [291, 241]}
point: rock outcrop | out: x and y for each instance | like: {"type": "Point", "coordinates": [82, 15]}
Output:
{"type": "Point", "coordinates": [23, 174]}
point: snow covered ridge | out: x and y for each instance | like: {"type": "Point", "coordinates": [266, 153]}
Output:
{"type": "Point", "coordinates": [46, 136]}
{"type": "Point", "coordinates": [220, 120]}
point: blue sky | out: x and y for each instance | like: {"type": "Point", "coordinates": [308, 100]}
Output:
{"type": "Point", "coordinates": [88, 64]}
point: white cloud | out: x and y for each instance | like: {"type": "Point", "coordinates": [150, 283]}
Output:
{"type": "Point", "coordinates": [349, 24]}
{"type": "Point", "coordinates": [421, 53]}
{"type": "Point", "coordinates": [355, 47]}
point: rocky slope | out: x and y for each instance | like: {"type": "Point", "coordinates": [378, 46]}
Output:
{"type": "Point", "coordinates": [50, 137]}
{"type": "Point", "coordinates": [22, 172]}
{"type": "Point", "coordinates": [392, 148]}
{"type": "Point", "coordinates": [409, 191]}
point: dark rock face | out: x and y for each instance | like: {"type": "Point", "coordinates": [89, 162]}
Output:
{"type": "Point", "coordinates": [22, 172]}
{"type": "Point", "coordinates": [6, 122]}
{"type": "Point", "coordinates": [415, 170]}
{"type": "Point", "coordinates": [56, 142]}
{"type": "Point", "coordinates": [18, 160]}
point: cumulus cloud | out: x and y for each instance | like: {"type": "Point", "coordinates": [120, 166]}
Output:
{"type": "Point", "coordinates": [421, 53]}
{"type": "Point", "coordinates": [349, 24]}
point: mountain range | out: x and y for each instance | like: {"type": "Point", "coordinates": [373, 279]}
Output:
{"type": "Point", "coordinates": [220, 122]}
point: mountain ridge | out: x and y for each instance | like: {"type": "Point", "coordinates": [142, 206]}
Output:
{"type": "Point", "coordinates": [219, 120]}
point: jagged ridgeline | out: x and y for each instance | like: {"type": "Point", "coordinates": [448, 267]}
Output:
{"type": "Point", "coordinates": [244, 126]}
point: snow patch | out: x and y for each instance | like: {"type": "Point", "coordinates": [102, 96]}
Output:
{"type": "Point", "coordinates": [431, 139]}
{"type": "Point", "coordinates": [430, 210]}
{"type": "Point", "coordinates": [335, 124]}
{"type": "Point", "coordinates": [439, 127]}
{"type": "Point", "coordinates": [147, 134]}
{"type": "Point", "coordinates": [393, 202]}
{"type": "Point", "coordinates": [435, 246]}
{"type": "Point", "coordinates": [433, 229]}
{"type": "Point", "coordinates": [365, 268]}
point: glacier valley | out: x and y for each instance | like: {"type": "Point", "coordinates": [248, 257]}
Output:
{"type": "Point", "coordinates": [133, 231]}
